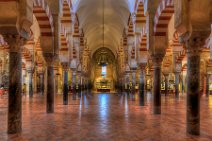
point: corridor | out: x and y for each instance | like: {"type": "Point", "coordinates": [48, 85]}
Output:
{"type": "Point", "coordinates": [52, 50]}
{"type": "Point", "coordinates": [106, 117]}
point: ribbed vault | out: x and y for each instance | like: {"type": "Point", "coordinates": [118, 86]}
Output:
{"type": "Point", "coordinates": [90, 19]}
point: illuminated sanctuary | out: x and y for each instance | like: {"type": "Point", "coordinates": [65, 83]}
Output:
{"type": "Point", "coordinates": [113, 70]}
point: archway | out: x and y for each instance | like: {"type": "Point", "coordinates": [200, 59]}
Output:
{"type": "Point", "coordinates": [103, 70]}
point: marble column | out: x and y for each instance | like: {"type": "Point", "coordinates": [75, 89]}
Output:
{"type": "Point", "coordinates": [74, 83]}
{"type": "Point", "coordinates": [177, 81]}
{"type": "Point", "coordinates": [142, 86]}
{"type": "Point", "coordinates": [49, 57]}
{"type": "Point", "coordinates": [42, 83]}
{"type": "Point", "coordinates": [208, 84]}
{"type": "Point", "coordinates": [15, 85]}
{"type": "Point", "coordinates": [65, 83]}
{"type": "Point", "coordinates": [30, 81]}
{"type": "Point", "coordinates": [166, 83]}
{"type": "Point", "coordinates": [193, 45]}
{"type": "Point", "coordinates": [79, 83]}
{"type": "Point", "coordinates": [157, 60]}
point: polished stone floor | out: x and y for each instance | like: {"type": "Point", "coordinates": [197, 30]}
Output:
{"type": "Point", "coordinates": [106, 117]}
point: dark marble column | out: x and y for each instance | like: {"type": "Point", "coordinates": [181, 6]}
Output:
{"type": "Point", "coordinates": [65, 83]}
{"type": "Point", "coordinates": [74, 84]}
{"type": "Point", "coordinates": [49, 57]}
{"type": "Point", "coordinates": [166, 83]}
{"type": "Point", "coordinates": [177, 81]}
{"type": "Point", "coordinates": [208, 84]}
{"type": "Point", "coordinates": [42, 83]}
{"type": "Point", "coordinates": [30, 73]}
{"type": "Point", "coordinates": [15, 85]}
{"type": "Point", "coordinates": [142, 86]}
{"type": "Point", "coordinates": [193, 45]}
{"type": "Point", "coordinates": [157, 60]}
{"type": "Point", "coordinates": [133, 80]}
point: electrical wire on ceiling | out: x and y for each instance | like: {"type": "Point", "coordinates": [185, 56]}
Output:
{"type": "Point", "coordinates": [103, 21]}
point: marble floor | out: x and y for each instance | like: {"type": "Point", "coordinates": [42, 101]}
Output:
{"type": "Point", "coordinates": [106, 117]}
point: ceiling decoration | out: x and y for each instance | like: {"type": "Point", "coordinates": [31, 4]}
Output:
{"type": "Point", "coordinates": [103, 56]}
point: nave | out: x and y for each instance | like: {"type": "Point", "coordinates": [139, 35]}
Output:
{"type": "Point", "coordinates": [51, 50]}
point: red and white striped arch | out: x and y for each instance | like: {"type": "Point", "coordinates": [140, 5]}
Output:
{"type": "Point", "coordinates": [162, 17]}
{"type": "Point", "coordinates": [143, 39]}
{"type": "Point", "coordinates": [139, 8]}
{"type": "Point", "coordinates": [130, 27]}
{"type": "Point", "coordinates": [76, 27]}
{"type": "Point", "coordinates": [43, 15]}
{"type": "Point", "coordinates": [67, 6]}
{"type": "Point", "coordinates": [82, 40]}
{"type": "Point", "coordinates": [26, 54]}
{"type": "Point", "coordinates": [176, 44]}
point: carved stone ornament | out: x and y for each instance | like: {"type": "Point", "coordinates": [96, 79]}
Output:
{"type": "Point", "coordinates": [65, 65]}
{"type": "Point", "coordinates": [15, 42]}
{"type": "Point", "coordinates": [157, 59]}
{"type": "Point", "coordinates": [196, 40]}
{"type": "Point", "coordinates": [49, 58]}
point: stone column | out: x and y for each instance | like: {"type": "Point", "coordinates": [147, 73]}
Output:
{"type": "Point", "coordinates": [30, 81]}
{"type": "Point", "coordinates": [142, 86]}
{"type": "Point", "coordinates": [49, 57]}
{"type": "Point", "coordinates": [177, 81]}
{"type": "Point", "coordinates": [74, 82]}
{"type": "Point", "coordinates": [166, 83]}
{"type": "Point", "coordinates": [193, 45]}
{"type": "Point", "coordinates": [133, 80]}
{"type": "Point", "coordinates": [42, 83]}
{"type": "Point", "coordinates": [157, 60]}
{"type": "Point", "coordinates": [65, 83]}
{"type": "Point", "coordinates": [15, 85]}
{"type": "Point", "coordinates": [208, 84]}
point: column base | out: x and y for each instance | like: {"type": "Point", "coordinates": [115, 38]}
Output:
{"type": "Point", "coordinates": [49, 109]}
{"type": "Point", "coordinates": [156, 110]}
{"type": "Point", "coordinates": [193, 129]}
{"type": "Point", "coordinates": [65, 102]}
{"type": "Point", "coordinates": [15, 127]}
{"type": "Point", "coordinates": [141, 99]}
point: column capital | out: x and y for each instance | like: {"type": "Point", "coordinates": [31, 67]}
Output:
{"type": "Point", "coordinates": [166, 74]}
{"type": "Point", "coordinates": [49, 58]}
{"type": "Point", "coordinates": [195, 40]}
{"type": "Point", "coordinates": [157, 59]}
{"type": "Point", "coordinates": [142, 66]}
{"type": "Point", "coordinates": [65, 66]}
{"type": "Point", "coordinates": [15, 42]}
{"type": "Point", "coordinates": [29, 70]}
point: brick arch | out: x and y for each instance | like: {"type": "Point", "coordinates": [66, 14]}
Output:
{"type": "Point", "coordinates": [64, 43]}
{"type": "Point", "coordinates": [23, 66]}
{"type": "Point", "coordinates": [175, 42]}
{"type": "Point", "coordinates": [44, 17]}
{"type": "Point", "coordinates": [130, 31]}
{"type": "Point", "coordinates": [66, 17]}
{"type": "Point", "coordinates": [26, 54]}
{"type": "Point", "coordinates": [76, 27]}
{"type": "Point", "coordinates": [143, 39]}
{"type": "Point", "coordinates": [162, 17]}
{"type": "Point", "coordinates": [140, 17]}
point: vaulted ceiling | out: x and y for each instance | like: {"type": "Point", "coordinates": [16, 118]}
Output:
{"type": "Point", "coordinates": [90, 15]}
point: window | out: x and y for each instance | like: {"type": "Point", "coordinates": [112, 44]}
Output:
{"type": "Point", "coordinates": [104, 71]}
